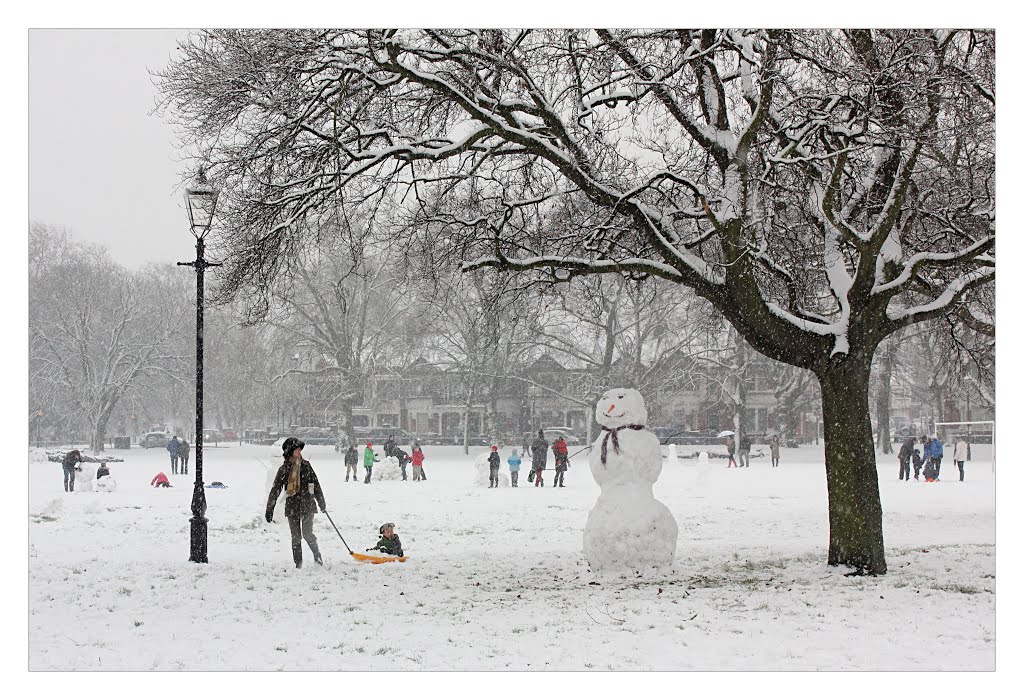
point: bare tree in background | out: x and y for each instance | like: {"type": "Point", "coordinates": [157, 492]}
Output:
{"type": "Point", "coordinates": [96, 330]}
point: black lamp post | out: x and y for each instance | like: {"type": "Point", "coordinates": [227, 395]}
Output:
{"type": "Point", "coordinates": [200, 201]}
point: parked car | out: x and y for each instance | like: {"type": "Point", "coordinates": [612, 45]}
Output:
{"type": "Point", "coordinates": [154, 440]}
{"type": "Point", "coordinates": [551, 434]}
{"type": "Point", "coordinates": [228, 434]}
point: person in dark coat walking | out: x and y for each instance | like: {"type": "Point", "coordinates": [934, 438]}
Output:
{"type": "Point", "coordinates": [172, 448]}
{"type": "Point", "coordinates": [70, 464]}
{"type": "Point", "coordinates": [540, 458]}
{"type": "Point", "coordinates": [351, 462]}
{"type": "Point", "coordinates": [297, 477]}
{"type": "Point", "coordinates": [183, 449]}
{"type": "Point", "coordinates": [494, 462]}
{"type": "Point", "coordinates": [905, 456]}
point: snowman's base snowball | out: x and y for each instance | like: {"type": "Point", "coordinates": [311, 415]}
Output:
{"type": "Point", "coordinates": [629, 533]}
{"type": "Point", "coordinates": [483, 472]}
{"type": "Point", "coordinates": [387, 470]}
{"type": "Point", "coordinates": [83, 481]}
{"type": "Point", "coordinates": [106, 484]}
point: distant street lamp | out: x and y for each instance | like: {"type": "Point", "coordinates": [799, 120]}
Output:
{"type": "Point", "coordinates": [37, 419]}
{"type": "Point", "coordinates": [200, 202]}
{"type": "Point", "coordinates": [534, 392]}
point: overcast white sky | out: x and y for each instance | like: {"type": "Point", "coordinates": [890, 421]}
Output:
{"type": "Point", "coordinates": [100, 163]}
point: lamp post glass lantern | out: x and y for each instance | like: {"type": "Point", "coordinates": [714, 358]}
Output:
{"type": "Point", "coordinates": [201, 203]}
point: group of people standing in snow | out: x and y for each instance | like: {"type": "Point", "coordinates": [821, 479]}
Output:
{"type": "Point", "coordinates": [538, 453]}
{"type": "Point", "coordinates": [391, 449]}
{"type": "Point", "coordinates": [774, 444]}
{"type": "Point", "coordinates": [179, 451]}
{"type": "Point", "coordinates": [928, 459]}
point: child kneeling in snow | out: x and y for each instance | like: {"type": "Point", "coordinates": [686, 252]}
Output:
{"type": "Point", "coordinates": [160, 480]}
{"type": "Point", "coordinates": [389, 542]}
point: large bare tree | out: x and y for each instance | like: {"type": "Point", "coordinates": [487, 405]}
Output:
{"type": "Point", "coordinates": [96, 330]}
{"type": "Point", "coordinates": [821, 188]}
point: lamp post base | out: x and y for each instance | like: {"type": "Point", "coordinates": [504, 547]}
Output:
{"type": "Point", "coordinates": [197, 546]}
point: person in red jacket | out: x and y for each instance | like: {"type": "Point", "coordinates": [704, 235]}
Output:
{"type": "Point", "coordinates": [160, 480]}
{"type": "Point", "coordinates": [417, 463]}
{"type": "Point", "coordinates": [561, 452]}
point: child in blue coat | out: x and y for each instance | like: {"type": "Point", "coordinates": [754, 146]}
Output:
{"type": "Point", "coordinates": [513, 467]}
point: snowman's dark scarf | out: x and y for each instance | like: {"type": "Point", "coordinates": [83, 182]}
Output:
{"type": "Point", "coordinates": [613, 433]}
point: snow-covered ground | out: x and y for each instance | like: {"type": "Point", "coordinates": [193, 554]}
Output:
{"type": "Point", "coordinates": [496, 578]}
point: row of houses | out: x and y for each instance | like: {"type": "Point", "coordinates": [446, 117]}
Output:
{"type": "Point", "coordinates": [424, 398]}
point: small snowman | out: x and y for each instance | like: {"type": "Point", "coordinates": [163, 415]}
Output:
{"type": "Point", "coordinates": [627, 527]}
{"type": "Point", "coordinates": [84, 478]}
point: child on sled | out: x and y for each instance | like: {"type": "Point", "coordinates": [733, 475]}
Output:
{"type": "Point", "coordinates": [389, 542]}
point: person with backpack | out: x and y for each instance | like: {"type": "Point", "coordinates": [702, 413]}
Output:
{"type": "Point", "coordinates": [494, 462]}
{"type": "Point", "coordinates": [172, 448]}
{"type": "Point", "coordinates": [540, 459]}
{"type": "Point", "coordinates": [297, 478]}
{"type": "Point", "coordinates": [561, 452]}
{"type": "Point", "coordinates": [351, 460]}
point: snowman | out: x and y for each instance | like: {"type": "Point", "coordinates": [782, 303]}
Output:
{"type": "Point", "coordinates": [627, 527]}
{"type": "Point", "coordinates": [84, 478]}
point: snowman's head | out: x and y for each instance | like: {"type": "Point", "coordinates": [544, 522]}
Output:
{"type": "Point", "coordinates": [619, 407]}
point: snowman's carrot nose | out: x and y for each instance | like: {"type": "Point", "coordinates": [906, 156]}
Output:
{"type": "Point", "coordinates": [611, 408]}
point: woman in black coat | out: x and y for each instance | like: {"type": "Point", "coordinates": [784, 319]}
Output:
{"type": "Point", "coordinates": [299, 480]}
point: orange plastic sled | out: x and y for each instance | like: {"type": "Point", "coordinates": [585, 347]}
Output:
{"type": "Point", "coordinates": [373, 559]}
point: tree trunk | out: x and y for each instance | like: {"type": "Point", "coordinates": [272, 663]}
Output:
{"type": "Point", "coordinates": [854, 508]}
{"type": "Point", "coordinates": [346, 435]}
{"type": "Point", "coordinates": [882, 399]}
